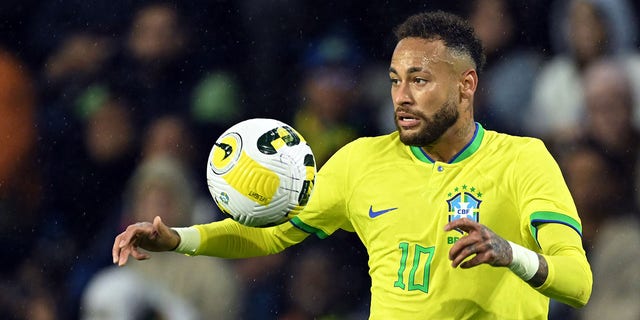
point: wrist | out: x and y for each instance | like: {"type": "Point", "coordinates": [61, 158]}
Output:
{"type": "Point", "coordinates": [189, 240]}
{"type": "Point", "coordinates": [176, 237]}
{"type": "Point", "coordinates": [524, 263]}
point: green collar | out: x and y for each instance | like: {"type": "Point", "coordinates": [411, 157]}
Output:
{"type": "Point", "coordinates": [466, 152]}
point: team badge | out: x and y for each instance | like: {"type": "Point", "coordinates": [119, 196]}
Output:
{"type": "Point", "coordinates": [464, 202]}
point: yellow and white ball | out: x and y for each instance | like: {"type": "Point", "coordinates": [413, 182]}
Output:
{"type": "Point", "coordinates": [261, 172]}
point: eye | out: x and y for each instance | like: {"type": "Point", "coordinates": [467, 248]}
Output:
{"type": "Point", "coordinates": [420, 80]}
{"type": "Point", "coordinates": [394, 81]}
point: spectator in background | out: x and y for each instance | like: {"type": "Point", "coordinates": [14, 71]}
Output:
{"type": "Point", "coordinates": [272, 32]}
{"type": "Point", "coordinates": [103, 159]}
{"type": "Point", "coordinates": [593, 182]}
{"type": "Point", "coordinates": [157, 69]}
{"type": "Point", "coordinates": [608, 122]}
{"type": "Point", "coordinates": [85, 196]}
{"type": "Point", "coordinates": [217, 102]}
{"type": "Point", "coordinates": [25, 292]}
{"type": "Point", "coordinates": [611, 231]}
{"type": "Point", "coordinates": [323, 118]}
{"type": "Point", "coordinates": [313, 287]}
{"type": "Point", "coordinates": [171, 135]}
{"type": "Point", "coordinates": [330, 114]}
{"type": "Point", "coordinates": [321, 288]}
{"type": "Point", "coordinates": [583, 31]}
{"type": "Point", "coordinates": [19, 176]}
{"type": "Point", "coordinates": [53, 22]}
{"type": "Point", "coordinates": [615, 261]}
{"type": "Point", "coordinates": [201, 289]}
{"type": "Point", "coordinates": [74, 73]}
{"type": "Point", "coordinates": [510, 68]}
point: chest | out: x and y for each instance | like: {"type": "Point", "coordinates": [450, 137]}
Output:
{"type": "Point", "coordinates": [415, 202]}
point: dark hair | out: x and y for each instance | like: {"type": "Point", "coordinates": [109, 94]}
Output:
{"type": "Point", "coordinates": [456, 33]}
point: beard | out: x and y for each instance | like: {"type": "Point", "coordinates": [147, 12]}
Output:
{"type": "Point", "coordinates": [432, 128]}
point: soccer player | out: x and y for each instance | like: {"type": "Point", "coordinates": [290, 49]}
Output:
{"type": "Point", "coordinates": [459, 222]}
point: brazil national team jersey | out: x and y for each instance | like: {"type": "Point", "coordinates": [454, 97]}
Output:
{"type": "Point", "coordinates": [398, 201]}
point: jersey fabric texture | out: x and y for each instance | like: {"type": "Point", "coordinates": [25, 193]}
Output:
{"type": "Point", "coordinates": [398, 201]}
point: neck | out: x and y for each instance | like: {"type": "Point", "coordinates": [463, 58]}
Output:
{"type": "Point", "coordinates": [452, 141]}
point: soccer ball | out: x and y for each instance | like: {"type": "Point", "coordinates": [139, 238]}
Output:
{"type": "Point", "coordinates": [261, 172]}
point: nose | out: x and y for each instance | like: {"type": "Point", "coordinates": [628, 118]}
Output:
{"type": "Point", "coordinates": [402, 94]}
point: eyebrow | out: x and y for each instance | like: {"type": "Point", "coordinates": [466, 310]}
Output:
{"type": "Point", "coordinates": [410, 70]}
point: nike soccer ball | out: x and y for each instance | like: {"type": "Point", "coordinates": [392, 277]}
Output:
{"type": "Point", "coordinates": [261, 172]}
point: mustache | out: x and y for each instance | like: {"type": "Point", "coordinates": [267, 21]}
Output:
{"type": "Point", "coordinates": [408, 111]}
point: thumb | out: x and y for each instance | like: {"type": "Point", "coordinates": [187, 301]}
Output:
{"type": "Point", "coordinates": [167, 239]}
{"type": "Point", "coordinates": [157, 223]}
{"type": "Point", "coordinates": [158, 226]}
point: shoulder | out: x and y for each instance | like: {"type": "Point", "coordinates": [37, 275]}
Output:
{"type": "Point", "coordinates": [369, 152]}
{"type": "Point", "coordinates": [510, 145]}
{"type": "Point", "coordinates": [378, 145]}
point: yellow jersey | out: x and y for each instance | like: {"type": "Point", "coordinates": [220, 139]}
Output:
{"type": "Point", "coordinates": [398, 201]}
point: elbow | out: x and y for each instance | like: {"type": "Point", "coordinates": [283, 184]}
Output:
{"type": "Point", "coordinates": [583, 295]}
{"type": "Point", "coordinates": [582, 292]}
{"type": "Point", "coordinates": [580, 300]}
{"type": "Point", "coordinates": [572, 288]}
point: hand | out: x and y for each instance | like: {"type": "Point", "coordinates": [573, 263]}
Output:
{"type": "Point", "coordinates": [487, 246]}
{"type": "Point", "coordinates": [154, 236]}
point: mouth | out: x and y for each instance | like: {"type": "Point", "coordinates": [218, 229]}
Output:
{"type": "Point", "coordinates": [406, 120]}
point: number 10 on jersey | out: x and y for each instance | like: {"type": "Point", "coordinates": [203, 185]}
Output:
{"type": "Point", "coordinates": [419, 258]}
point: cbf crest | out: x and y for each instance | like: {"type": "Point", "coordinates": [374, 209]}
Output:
{"type": "Point", "coordinates": [464, 202]}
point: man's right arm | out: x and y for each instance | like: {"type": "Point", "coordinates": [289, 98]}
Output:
{"type": "Point", "coordinates": [226, 239]}
{"type": "Point", "coordinates": [230, 239]}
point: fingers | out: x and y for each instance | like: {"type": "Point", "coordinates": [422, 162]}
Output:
{"type": "Point", "coordinates": [115, 251]}
{"type": "Point", "coordinates": [465, 246]}
{"type": "Point", "coordinates": [477, 260]}
{"type": "Point", "coordinates": [139, 255]}
{"type": "Point", "coordinates": [126, 243]}
{"type": "Point", "coordinates": [463, 224]}
{"type": "Point", "coordinates": [461, 251]}
{"type": "Point", "coordinates": [480, 241]}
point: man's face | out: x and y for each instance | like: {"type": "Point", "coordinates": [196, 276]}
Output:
{"type": "Point", "coordinates": [424, 90]}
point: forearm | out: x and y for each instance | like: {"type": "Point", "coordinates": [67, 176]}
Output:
{"type": "Point", "coordinates": [568, 279]}
{"type": "Point", "coordinates": [229, 239]}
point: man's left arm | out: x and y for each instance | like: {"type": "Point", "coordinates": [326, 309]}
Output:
{"type": "Point", "coordinates": [561, 272]}
{"type": "Point", "coordinates": [568, 276]}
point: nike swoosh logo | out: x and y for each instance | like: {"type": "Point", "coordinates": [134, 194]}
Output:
{"type": "Point", "coordinates": [373, 214]}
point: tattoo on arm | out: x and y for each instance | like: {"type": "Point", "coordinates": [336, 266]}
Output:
{"type": "Point", "coordinates": [541, 275]}
{"type": "Point", "coordinates": [502, 255]}
{"type": "Point", "coordinates": [502, 251]}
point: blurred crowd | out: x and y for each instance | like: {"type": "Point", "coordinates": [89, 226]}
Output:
{"type": "Point", "coordinates": [108, 110]}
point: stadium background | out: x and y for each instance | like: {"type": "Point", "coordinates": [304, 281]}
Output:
{"type": "Point", "coordinates": [102, 101]}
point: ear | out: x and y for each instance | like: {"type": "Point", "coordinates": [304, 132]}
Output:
{"type": "Point", "coordinates": [468, 84]}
